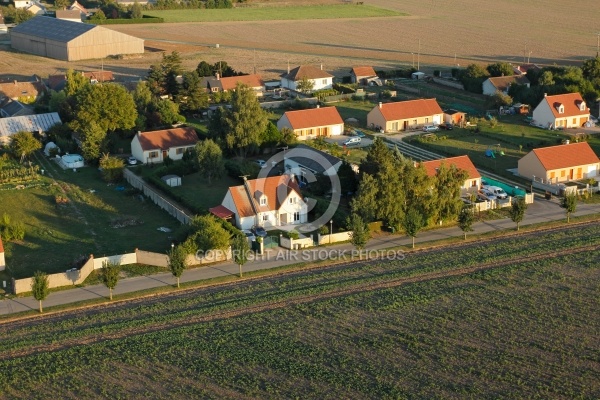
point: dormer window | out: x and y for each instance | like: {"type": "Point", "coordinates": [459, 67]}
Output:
{"type": "Point", "coordinates": [263, 200]}
{"type": "Point", "coordinates": [561, 109]}
{"type": "Point", "coordinates": [581, 105]}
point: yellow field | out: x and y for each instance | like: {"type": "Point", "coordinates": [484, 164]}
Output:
{"type": "Point", "coordinates": [436, 32]}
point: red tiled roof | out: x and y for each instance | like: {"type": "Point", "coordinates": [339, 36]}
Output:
{"type": "Point", "coordinates": [276, 188]}
{"type": "Point", "coordinates": [100, 76]}
{"type": "Point", "coordinates": [461, 162]}
{"type": "Point", "coordinates": [167, 138]}
{"type": "Point", "coordinates": [570, 101]}
{"type": "Point", "coordinates": [1, 245]}
{"type": "Point", "coordinates": [221, 211]}
{"type": "Point", "coordinates": [503, 82]}
{"type": "Point", "coordinates": [410, 109]}
{"type": "Point", "coordinates": [566, 155]}
{"type": "Point", "coordinates": [78, 6]}
{"type": "Point", "coordinates": [314, 117]}
{"type": "Point", "coordinates": [306, 71]}
{"type": "Point", "coordinates": [252, 81]}
{"type": "Point", "coordinates": [14, 90]}
{"type": "Point", "coordinates": [363, 71]}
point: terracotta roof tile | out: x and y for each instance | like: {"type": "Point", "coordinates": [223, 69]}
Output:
{"type": "Point", "coordinates": [503, 82]}
{"type": "Point", "coordinates": [252, 81]}
{"type": "Point", "coordinates": [314, 117]}
{"type": "Point", "coordinates": [14, 90]}
{"type": "Point", "coordinates": [306, 71]}
{"type": "Point", "coordinates": [570, 101]}
{"type": "Point", "coordinates": [566, 155]}
{"type": "Point", "coordinates": [275, 188]}
{"type": "Point", "coordinates": [221, 211]}
{"type": "Point", "coordinates": [1, 245]}
{"type": "Point", "coordinates": [167, 138]}
{"type": "Point", "coordinates": [363, 71]}
{"type": "Point", "coordinates": [410, 109]}
{"type": "Point", "coordinates": [100, 76]}
{"type": "Point", "coordinates": [461, 162]}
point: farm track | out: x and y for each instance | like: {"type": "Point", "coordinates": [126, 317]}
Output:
{"type": "Point", "coordinates": [274, 305]}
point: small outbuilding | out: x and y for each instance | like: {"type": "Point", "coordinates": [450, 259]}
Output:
{"type": "Point", "coordinates": [171, 180]}
{"type": "Point", "coordinates": [418, 75]}
{"type": "Point", "coordinates": [50, 148]}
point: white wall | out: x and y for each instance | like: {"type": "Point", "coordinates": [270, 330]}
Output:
{"type": "Point", "coordinates": [121, 259]}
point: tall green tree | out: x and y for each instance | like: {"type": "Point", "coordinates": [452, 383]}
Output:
{"type": "Point", "coordinates": [162, 78]}
{"type": "Point", "coordinates": [209, 233]}
{"type": "Point", "coordinates": [136, 10]}
{"type": "Point", "coordinates": [448, 183]}
{"type": "Point", "coordinates": [177, 261]}
{"type": "Point", "coordinates": [569, 203]}
{"type": "Point", "coordinates": [40, 287]}
{"type": "Point", "coordinates": [348, 178]}
{"type": "Point", "coordinates": [366, 198]}
{"type": "Point", "coordinates": [23, 144]}
{"type": "Point", "coordinates": [93, 141]}
{"type": "Point", "coordinates": [517, 210]}
{"type": "Point", "coordinates": [359, 231]}
{"type": "Point", "coordinates": [112, 168]}
{"type": "Point", "coordinates": [466, 219]}
{"type": "Point", "coordinates": [591, 68]}
{"type": "Point", "coordinates": [500, 69]}
{"type": "Point", "coordinates": [204, 69]}
{"type": "Point", "coordinates": [192, 96]}
{"type": "Point", "coordinates": [244, 122]}
{"type": "Point", "coordinates": [209, 160]}
{"type": "Point", "coordinates": [271, 136]}
{"type": "Point", "coordinates": [378, 156]}
{"type": "Point", "coordinates": [288, 137]}
{"type": "Point", "coordinates": [75, 81]}
{"type": "Point", "coordinates": [240, 248]}
{"type": "Point", "coordinates": [109, 275]}
{"type": "Point", "coordinates": [109, 105]}
{"type": "Point", "coordinates": [165, 112]}
{"type": "Point", "coordinates": [412, 223]}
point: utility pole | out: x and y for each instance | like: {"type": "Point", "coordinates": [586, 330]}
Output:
{"type": "Point", "coordinates": [528, 56]}
{"type": "Point", "coordinates": [419, 57]}
{"type": "Point", "coordinates": [598, 45]}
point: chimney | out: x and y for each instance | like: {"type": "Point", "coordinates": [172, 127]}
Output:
{"type": "Point", "coordinates": [321, 67]}
{"type": "Point", "coordinates": [218, 76]}
{"type": "Point", "coordinates": [380, 104]}
{"type": "Point", "coordinates": [288, 66]}
{"type": "Point", "coordinates": [318, 106]}
{"type": "Point", "coordinates": [15, 81]}
{"type": "Point", "coordinates": [545, 94]}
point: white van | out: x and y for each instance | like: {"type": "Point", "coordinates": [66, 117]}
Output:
{"type": "Point", "coordinates": [497, 191]}
{"type": "Point", "coordinates": [430, 128]}
{"type": "Point", "coordinates": [352, 141]}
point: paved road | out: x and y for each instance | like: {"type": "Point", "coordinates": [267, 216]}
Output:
{"type": "Point", "coordinates": [541, 211]}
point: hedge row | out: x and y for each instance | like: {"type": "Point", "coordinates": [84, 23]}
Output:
{"type": "Point", "coordinates": [120, 21]}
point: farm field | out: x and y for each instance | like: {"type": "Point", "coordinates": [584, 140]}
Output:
{"type": "Point", "coordinates": [470, 32]}
{"type": "Point", "coordinates": [513, 317]}
{"type": "Point", "coordinates": [98, 220]}
{"type": "Point", "coordinates": [274, 13]}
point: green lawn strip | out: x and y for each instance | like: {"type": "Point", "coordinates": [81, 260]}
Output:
{"type": "Point", "coordinates": [274, 13]}
{"type": "Point", "coordinates": [427, 338]}
{"type": "Point", "coordinates": [322, 281]}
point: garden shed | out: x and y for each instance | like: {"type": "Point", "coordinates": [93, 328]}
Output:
{"type": "Point", "coordinates": [172, 180]}
{"type": "Point", "coordinates": [71, 41]}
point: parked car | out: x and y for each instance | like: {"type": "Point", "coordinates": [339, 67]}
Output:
{"type": "Point", "coordinates": [447, 127]}
{"type": "Point", "coordinates": [358, 133]}
{"type": "Point", "coordinates": [261, 163]}
{"type": "Point", "coordinates": [485, 194]}
{"type": "Point", "coordinates": [249, 235]}
{"type": "Point", "coordinates": [497, 191]}
{"type": "Point", "coordinates": [352, 141]}
{"type": "Point", "coordinates": [131, 160]}
{"type": "Point", "coordinates": [430, 128]}
{"type": "Point", "coordinates": [259, 231]}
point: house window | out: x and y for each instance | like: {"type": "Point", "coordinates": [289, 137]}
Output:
{"type": "Point", "coordinates": [263, 201]}
{"type": "Point", "coordinates": [153, 154]}
{"type": "Point", "coordinates": [552, 175]}
{"type": "Point", "coordinates": [562, 173]}
{"type": "Point", "coordinates": [561, 109]}
{"type": "Point", "coordinates": [292, 200]}
{"type": "Point", "coordinates": [473, 183]}
{"type": "Point", "coordinates": [426, 120]}
{"type": "Point", "coordinates": [296, 216]}
{"type": "Point", "coordinates": [180, 150]}
{"type": "Point", "coordinates": [265, 217]}
{"type": "Point", "coordinates": [574, 121]}
{"type": "Point", "coordinates": [324, 81]}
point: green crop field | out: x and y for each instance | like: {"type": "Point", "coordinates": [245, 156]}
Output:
{"type": "Point", "coordinates": [274, 13]}
{"type": "Point", "coordinates": [98, 219]}
{"type": "Point", "coordinates": [515, 317]}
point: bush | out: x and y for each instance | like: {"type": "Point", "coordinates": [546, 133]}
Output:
{"type": "Point", "coordinates": [123, 21]}
{"type": "Point", "coordinates": [292, 235]}
{"type": "Point", "coordinates": [238, 168]}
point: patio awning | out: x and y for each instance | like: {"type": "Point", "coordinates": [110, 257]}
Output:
{"type": "Point", "coordinates": [221, 212]}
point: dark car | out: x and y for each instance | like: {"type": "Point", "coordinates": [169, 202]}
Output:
{"type": "Point", "coordinates": [447, 127]}
{"type": "Point", "coordinates": [259, 231]}
{"type": "Point", "coordinates": [358, 133]}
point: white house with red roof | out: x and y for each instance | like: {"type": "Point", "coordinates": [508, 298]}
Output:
{"type": "Point", "coordinates": [321, 79]}
{"type": "Point", "coordinates": [561, 111]}
{"type": "Point", "coordinates": [266, 202]}
{"type": "Point", "coordinates": [2, 260]}
{"type": "Point", "coordinates": [502, 84]}
{"type": "Point", "coordinates": [405, 115]}
{"type": "Point", "coordinates": [560, 163]}
{"type": "Point", "coordinates": [218, 84]}
{"type": "Point", "coordinates": [364, 76]}
{"type": "Point", "coordinates": [313, 123]}
{"type": "Point", "coordinates": [155, 146]}
{"type": "Point", "coordinates": [464, 163]}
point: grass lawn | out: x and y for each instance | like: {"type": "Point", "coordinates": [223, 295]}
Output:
{"type": "Point", "coordinates": [56, 235]}
{"type": "Point", "coordinates": [354, 109]}
{"type": "Point", "coordinates": [274, 13]}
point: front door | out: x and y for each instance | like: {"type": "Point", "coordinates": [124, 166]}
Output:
{"type": "Point", "coordinates": [283, 219]}
{"type": "Point", "coordinates": [165, 154]}
{"type": "Point", "coordinates": [579, 173]}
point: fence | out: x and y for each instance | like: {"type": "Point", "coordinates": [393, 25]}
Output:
{"type": "Point", "coordinates": [559, 189]}
{"type": "Point", "coordinates": [159, 200]}
{"type": "Point", "coordinates": [67, 278]}
{"type": "Point", "coordinates": [449, 83]}
{"type": "Point", "coordinates": [295, 244]}
{"type": "Point", "coordinates": [333, 238]}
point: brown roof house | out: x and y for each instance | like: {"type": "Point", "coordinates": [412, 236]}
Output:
{"type": "Point", "coordinates": [218, 84]}
{"type": "Point", "coordinates": [320, 79]}
{"type": "Point", "coordinates": [266, 202]}
{"type": "Point", "coordinates": [464, 163]}
{"type": "Point", "coordinates": [560, 163]}
{"type": "Point", "coordinates": [364, 76]}
{"type": "Point", "coordinates": [57, 82]}
{"type": "Point", "coordinates": [155, 146]}
{"type": "Point", "coordinates": [502, 83]}
{"type": "Point", "coordinates": [405, 115]}
{"type": "Point", "coordinates": [69, 15]}
{"type": "Point", "coordinates": [561, 111]}
{"type": "Point", "coordinates": [26, 92]}
{"type": "Point", "coordinates": [313, 123]}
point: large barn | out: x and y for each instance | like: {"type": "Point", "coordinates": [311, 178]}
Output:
{"type": "Point", "coordinates": [71, 41]}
